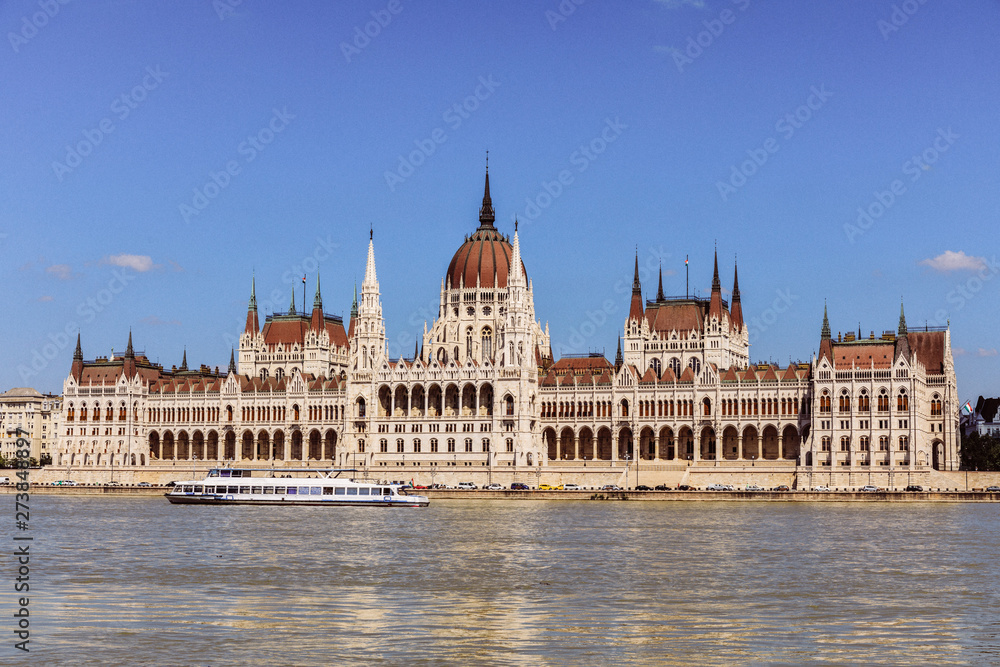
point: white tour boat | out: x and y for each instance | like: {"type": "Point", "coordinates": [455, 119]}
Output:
{"type": "Point", "coordinates": [243, 486]}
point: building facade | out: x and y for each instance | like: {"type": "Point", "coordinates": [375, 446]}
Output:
{"type": "Point", "coordinates": [482, 392]}
{"type": "Point", "coordinates": [37, 415]}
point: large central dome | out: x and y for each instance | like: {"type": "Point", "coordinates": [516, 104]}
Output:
{"type": "Point", "coordinates": [485, 256]}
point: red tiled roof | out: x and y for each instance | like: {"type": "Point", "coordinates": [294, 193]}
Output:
{"type": "Point", "coordinates": [929, 347]}
{"type": "Point", "coordinates": [682, 317]}
{"type": "Point", "coordinates": [484, 254]}
{"type": "Point", "coordinates": [577, 364]}
{"type": "Point", "coordinates": [864, 355]}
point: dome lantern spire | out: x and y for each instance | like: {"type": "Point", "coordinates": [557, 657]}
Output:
{"type": "Point", "coordinates": [486, 213]}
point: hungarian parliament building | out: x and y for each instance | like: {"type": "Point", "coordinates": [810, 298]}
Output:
{"type": "Point", "coordinates": [484, 392]}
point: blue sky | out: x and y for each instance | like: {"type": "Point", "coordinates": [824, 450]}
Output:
{"type": "Point", "coordinates": [155, 155]}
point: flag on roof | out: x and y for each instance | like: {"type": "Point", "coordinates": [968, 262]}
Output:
{"type": "Point", "coordinates": [968, 407]}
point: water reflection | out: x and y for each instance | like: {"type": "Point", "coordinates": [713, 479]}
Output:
{"type": "Point", "coordinates": [125, 580]}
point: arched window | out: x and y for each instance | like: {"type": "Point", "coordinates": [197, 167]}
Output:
{"type": "Point", "coordinates": [279, 374]}
{"type": "Point", "coordinates": [361, 407]}
{"type": "Point", "coordinates": [675, 366]}
{"type": "Point", "coordinates": [399, 446]}
{"type": "Point", "coordinates": [707, 406]}
{"type": "Point", "coordinates": [509, 405]}
{"type": "Point", "coordinates": [383, 445]}
{"type": "Point", "coordinates": [845, 444]}
{"type": "Point", "coordinates": [468, 342]}
{"type": "Point", "coordinates": [263, 375]}
{"type": "Point", "coordinates": [903, 401]}
{"type": "Point", "coordinates": [486, 444]}
{"type": "Point", "coordinates": [845, 401]}
{"type": "Point", "coordinates": [695, 364]}
{"type": "Point", "coordinates": [416, 445]}
{"type": "Point", "coordinates": [451, 445]}
{"type": "Point", "coordinates": [904, 443]}
{"type": "Point", "coordinates": [883, 401]}
{"type": "Point", "coordinates": [864, 402]}
{"type": "Point", "coordinates": [624, 408]}
{"type": "Point", "coordinates": [655, 365]}
{"type": "Point", "coordinates": [487, 343]}
{"type": "Point", "coordinates": [468, 444]}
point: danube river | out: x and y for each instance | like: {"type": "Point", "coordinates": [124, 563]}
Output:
{"type": "Point", "coordinates": [135, 581]}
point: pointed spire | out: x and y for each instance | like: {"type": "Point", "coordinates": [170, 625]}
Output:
{"type": "Point", "coordinates": [129, 352]}
{"type": "Point", "coordinates": [659, 289]}
{"type": "Point", "coordinates": [825, 335]}
{"type": "Point", "coordinates": [354, 306]}
{"type": "Point", "coordinates": [736, 308]}
{"type": "Point", "coordinates": [635, 311]}
{"type": "Point", "coordinates": [370, 276]}
{"type": "Point", "coordinates": [716, 285]}
{"type": "Point", "coordinates": [78, 354]}
{"type": "Point", "coordinates": [516, 277]}
{"type": "Point", "coordinates": [317, 300]}
{"type": "Point", "coordinates": [416, 349]}
{"type": "Point", "coordinates": [291, 308]}
{"type": "Point", "coordinates": [252, 326]}
{"type": "Point", "coordinates": [618, 357]}
{"type": "Point", "coordinates": [902, 320]}
{"type": "Point", "coordinates": [253, 294]}
{"type": "Point", "coordinates": [232, 361]}
{"type": "Point", "coordinates": [486, 214]}
{"type": "Point", "coordinates": [184, 360]}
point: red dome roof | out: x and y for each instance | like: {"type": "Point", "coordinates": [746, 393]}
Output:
{"type": "Point", "coordinates": [485, 256]}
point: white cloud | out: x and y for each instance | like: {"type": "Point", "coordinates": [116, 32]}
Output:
{"type": "Point", "coordinates": [675, 4]}
{"type": "Point", "coordinates": [60, 271]}
{"type": "Point", "coordinates": [957, 351]}
{"type": "Point", "coordinates": [983, 352]}
{"type": "Point", "coordinates": [950, 260]}
{"type": "Point", "coordinates": [139, 263]}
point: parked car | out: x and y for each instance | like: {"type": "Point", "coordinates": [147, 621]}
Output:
{"type": "Point", "coordinates": [872, 489]}
{"type": "Point", "coordinates": [571, 487]}
{"type": "Point", "coordinates": [144, 484]}
{"type": "Point", "coordinates": [493, 487]}
{"type": "Point", "coordinates": [719, 487]}
{"type": "Point", "coordinates": [467, 486]}
{"type": "Point", "coordinates": [754, 487]}
{"type": "Point", "coordinates": [683, 487]}
{"type": "Point", "coordinates": [992, 489]}
{"type": "Point", "coordinates": [643, 487]}
{"type": "Point", "coordinates": [781, 487]}
{"type": "Point", "coordinates": [4, 480]}
{"type": "Point", "coordinates": [518, 486]}
{"type": "Point", "coordinates": [611, 487]}
{"type": "Point", "coordinates": [66, 482]}
{"type": "Point", "coordinates": [661, 487]}
{"type": "Point", "coordinates": [917, 487]}
{"type": "Point", "coordinates": [821, 488]}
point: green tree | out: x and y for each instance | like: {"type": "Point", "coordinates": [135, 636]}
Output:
{"type": "Point", "coordinates": [980, 452]}
{"type": "Point", "coordinates": [46, 460]}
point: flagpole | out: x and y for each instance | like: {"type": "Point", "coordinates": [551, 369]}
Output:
{"type": "Point", "coordinates": [304, 293]}
{"type": "Point", "coordinates": [687, 275]}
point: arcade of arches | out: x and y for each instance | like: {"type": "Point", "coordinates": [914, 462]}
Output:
{"type": "Point", "coordinates": [749, 445]}
{"type": "Point", "coordinates": [244, 445]}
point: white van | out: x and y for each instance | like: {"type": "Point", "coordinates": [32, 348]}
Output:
{"type": "Point", "coordinates": [4, 480]}
{"type": "Point", "coordinates": [468, 486]}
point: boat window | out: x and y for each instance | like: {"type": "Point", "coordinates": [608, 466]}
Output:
{"type": "Point", "coordinates": [257, 490]}
{"type": "Point", "coordinates": [293, 490]}
{"type": "Point", "coordinates": [198, 489]}
{"type": "Point", "coordinates": [303, 490]}
{"type": "Point", "coordinates": [226, 473]}
{"type": "Point", "coordinates": [340, 491]}
{"type": "Point", "coordinates": [352, 491]}
{"type": "Point", "coordinates": [233, 489]}
{"type": "Point", "coordinates": [315, 490]}
{"type": "Point", "coordinates": [386, 491]}
{"type": "Point", "coordinates": [280, 490]}
{"type": "Point", "coordinates": [244, 489]}
{"type": "Point", "coordinates": [213, 473]}
{"type": "Point", "coordinates": [327, 490]}
{"type": "Point", "coordinates": [364, 491]}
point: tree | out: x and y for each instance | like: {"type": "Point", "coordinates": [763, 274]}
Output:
{"type": "Point", "coordinates": [980, 452]}
{"type": "Point", "coordinates": [46, 460]}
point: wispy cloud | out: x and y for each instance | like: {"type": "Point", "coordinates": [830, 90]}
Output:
{"type": "Point", "coordinates": [958, 351]}
{"type": "Point", "coordinates": [983, 352]}
{"type": "Point", "coordinates": [138, 263]}
{"type": "Point", "coordinates": [60, 271]}
{"type": "Point", "coordinates": [677, 4]}
{"type": "Point", "coordinates": [155, 321]}
{"type": "Point", "coordinates": [174, 266]}
{"type": "Point", "coordinates": [950, 260]}
{"type": "Point", "coordinates": [45, 298]}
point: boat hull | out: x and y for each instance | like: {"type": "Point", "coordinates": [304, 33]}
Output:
{"type": "Point", "coordinates": [184, 499]}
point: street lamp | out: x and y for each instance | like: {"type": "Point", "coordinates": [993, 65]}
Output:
{"type": "Point", "coordinates": [194, 466]}
{"type": "Point", "coordinates": [753, 460]}
{"type": "Point", "coordinates": [627, 458]}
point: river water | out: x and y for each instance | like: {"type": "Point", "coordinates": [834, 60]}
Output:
{"type": "Point", "coordinates": [134, 581]}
